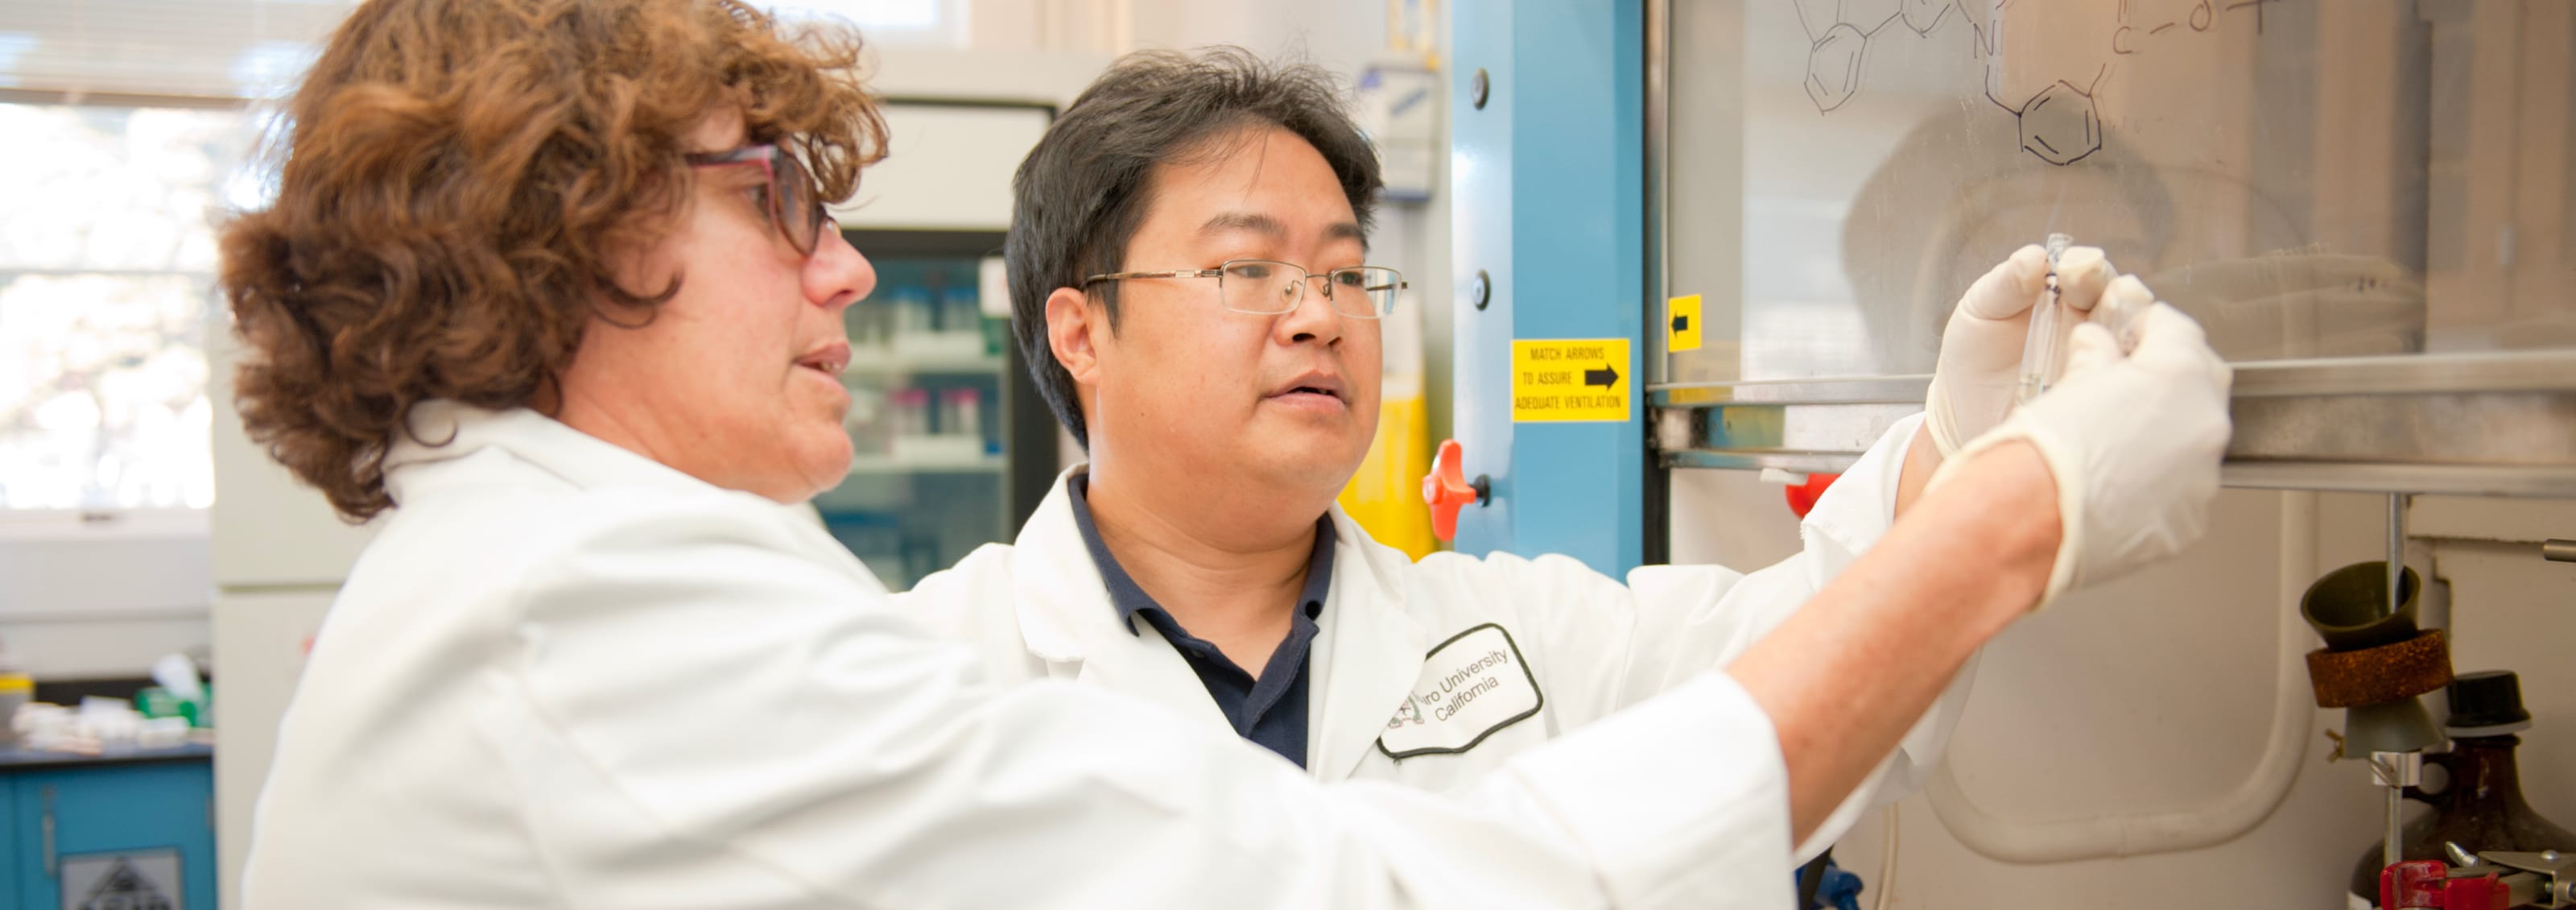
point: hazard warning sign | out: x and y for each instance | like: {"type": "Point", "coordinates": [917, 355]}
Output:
{"type": "Point", "coordinates": [132, 880]}
{"type": "Point", "coordinates": [1570, 379]}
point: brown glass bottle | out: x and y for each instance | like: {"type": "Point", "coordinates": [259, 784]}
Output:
{"type": "Point", "coordinates": [2482, 808]}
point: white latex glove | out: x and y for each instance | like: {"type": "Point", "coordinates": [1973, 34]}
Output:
{"type": "Point", "coordinates": [2133, 441]}
{"type": "Point", "coordinates": [1980, 366]}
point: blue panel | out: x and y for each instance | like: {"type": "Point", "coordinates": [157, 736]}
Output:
{"type": "Point", "coordinates": [119, 808]}
{"type": "Point", "coordinates": [1480, 194]}
{"type": "Point", "coordinates": [10, 848]}
{"type": "Point", "coordinates": [1548, 195]}
{"type": "Point", "coordinates": [26, 863]}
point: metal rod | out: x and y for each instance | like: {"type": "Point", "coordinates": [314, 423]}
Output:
{"type": "Point", "coordinates": [1658, 147]}
{"type": "Point", "coordinates": [2556, 550]}
{"type": "Point", "coordinates": [2396, 553]}
{"type": "Point", "coordinates": [2392, 851]}
{"type": "Point", "coordinates": [2405, 374]}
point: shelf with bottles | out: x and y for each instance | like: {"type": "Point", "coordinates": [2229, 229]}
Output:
{"type": "Point", "coordinates": [914, 463]}
{"type": "Point", "coordinates": [926, 317]}
{"type": "Point", "coordinates": [865, 362]}
{"type": "Point", "coordinates": [905, 524]}
{"type": "Point", "coordinates": [933, 426]}
{"type": "Point", "coordinates": [897, 550]}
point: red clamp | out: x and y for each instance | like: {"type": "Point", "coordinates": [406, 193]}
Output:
{"type": "Point", "coordinates": [2426, 884]}
{"type": "Point", "coordinates": [1447, 489]}
{"type": "Point", "coordinates": [1803, 496]}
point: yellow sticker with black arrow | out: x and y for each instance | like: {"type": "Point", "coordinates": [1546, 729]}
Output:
{"type": "Point", "coordinates": [1570, 379]}
{"type": "Point", "coordinates": [1681, 324]}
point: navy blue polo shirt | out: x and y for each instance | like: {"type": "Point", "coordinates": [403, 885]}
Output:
{"type": "Point", "coordinates": [1270, 711]}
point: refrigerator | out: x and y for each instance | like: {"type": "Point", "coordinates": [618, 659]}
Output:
{"type": "Point", "coordinates": [951, 446]}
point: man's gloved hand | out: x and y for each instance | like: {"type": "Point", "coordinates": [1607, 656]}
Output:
{"type": "Point", "coordinates": [2133, 441]}
{"type": "Point", "coordinates": [1981, 348]}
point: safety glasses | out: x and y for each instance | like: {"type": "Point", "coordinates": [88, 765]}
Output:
{"type": "Point", "coordinates": [789, 196]}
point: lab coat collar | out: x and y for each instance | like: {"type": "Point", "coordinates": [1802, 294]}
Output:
{"type": "Point", "coordinates": [1131, 599]}
{"type": "Point", "coordinates": [1367, 653]}
{"type": "Point", "coordinates": [1066, 618]}
{"type": "Point", "coordinates": [1366, 657]}
{"type": "Point", "coordinates": [446, 430]}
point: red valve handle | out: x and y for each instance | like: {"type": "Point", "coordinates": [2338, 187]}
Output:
{"type": "Point", "coordinates": [2414, 883]}
{"type": "Point", "coordinates": [1803, 497]}
{"type": "Point", "coordinates": [2426, 883]}
{"type": "Point", "coordinates": [1447, 490]}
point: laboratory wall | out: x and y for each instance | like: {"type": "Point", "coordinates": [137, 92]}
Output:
{"type": "Point", "coordinates": [73, 604]}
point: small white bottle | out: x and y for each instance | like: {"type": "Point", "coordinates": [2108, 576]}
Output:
{"type": "Point", "coordinates": [911, 413]}
{"type": "Point", "coordinates": [964, 414]}
{"type": "Point", "coordinates": [16, 688]}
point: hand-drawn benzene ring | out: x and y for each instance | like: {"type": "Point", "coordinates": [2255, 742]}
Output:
{"type": "Point", "coordinates": [2060, 124]}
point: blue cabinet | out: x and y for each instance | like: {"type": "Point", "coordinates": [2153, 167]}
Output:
{"type": "Point", "coordinates": [8, 840]}
{"type": "Point", "coordinates": [135, 835]}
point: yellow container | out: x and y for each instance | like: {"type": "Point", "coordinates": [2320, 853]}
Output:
{"type": "Point", "coordinates": [1385, 496]}
{"type": "Point", "coordinates": [15, 689]}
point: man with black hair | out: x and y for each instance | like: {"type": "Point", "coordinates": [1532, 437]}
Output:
{"type": "Point", "coordinates": [1191, 287]}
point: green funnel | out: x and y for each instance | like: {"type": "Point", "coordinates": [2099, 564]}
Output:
{"type": "Point", "coordinates": [2349, 607]}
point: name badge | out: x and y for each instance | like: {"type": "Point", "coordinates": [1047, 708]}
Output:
{"type": "Point", "coordinates": [1472, 685]}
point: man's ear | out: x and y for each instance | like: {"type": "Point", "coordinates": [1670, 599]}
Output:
{"type": "Point", "coordinates": [1074, 329]}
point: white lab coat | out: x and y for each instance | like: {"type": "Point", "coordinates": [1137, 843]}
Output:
{"type": "Point", "coordinates": [1585, 645]}
{"type": "Point", "coordinates": [566, 675]}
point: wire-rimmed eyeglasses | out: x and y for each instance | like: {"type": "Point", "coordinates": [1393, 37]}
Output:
{"type": "Point", "coordinates": [1268, 287]}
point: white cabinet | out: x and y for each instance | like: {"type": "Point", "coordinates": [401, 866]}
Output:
{"type": "Point", "coordinates": [948, 166]}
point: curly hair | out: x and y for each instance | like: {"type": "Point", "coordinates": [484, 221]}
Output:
{"type": "Point", "coordinates": [459, 177]}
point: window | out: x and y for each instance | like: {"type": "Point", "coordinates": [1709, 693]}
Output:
{"type": "Point", "coordinates": [107, 249]}
{"type": "Point", "coordinates": [107, 261]}
{"type": "Point", "coordinates": [918, 23]}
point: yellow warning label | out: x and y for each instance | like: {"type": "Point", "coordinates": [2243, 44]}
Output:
{"type": "Point", "coordinates": [1681, 323]}
{"type": "Point", "coordinates": [1569, 379]}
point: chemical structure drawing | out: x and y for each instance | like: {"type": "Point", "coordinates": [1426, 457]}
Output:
{"type": "Point", "coordinates": [2060, 124]}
